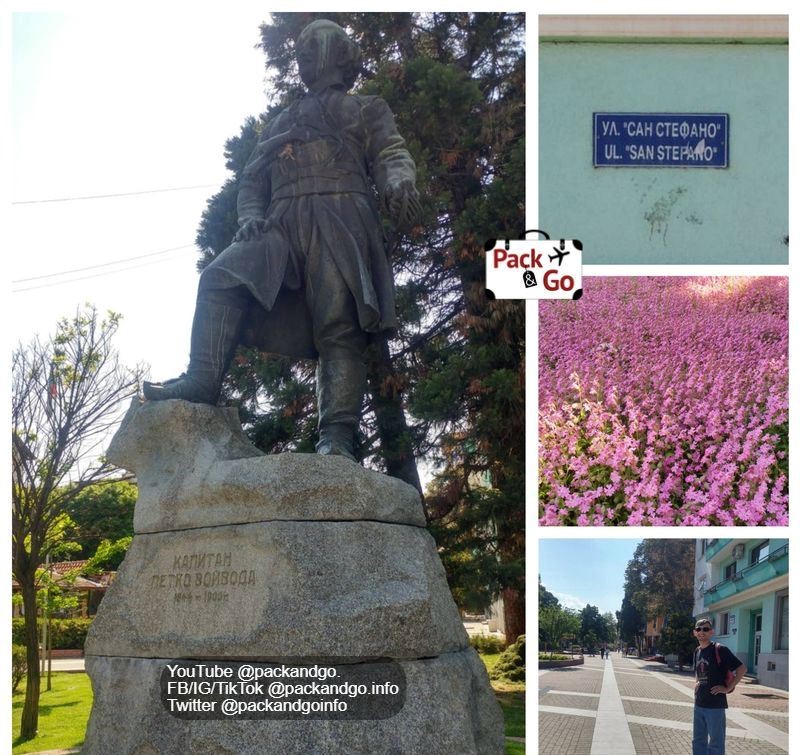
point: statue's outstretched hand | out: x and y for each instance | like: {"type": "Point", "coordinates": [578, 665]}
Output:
{"type": "Point", "coordinates": [401, 200]}
{"type": "Point", "coordinates": [251, 229]}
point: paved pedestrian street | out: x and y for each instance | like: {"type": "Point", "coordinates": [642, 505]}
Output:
{"type": "Point", "coordinates": [625, 706]}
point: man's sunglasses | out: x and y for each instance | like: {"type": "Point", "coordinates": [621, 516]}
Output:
{"type": "Point", "coordinates": [702, 629]}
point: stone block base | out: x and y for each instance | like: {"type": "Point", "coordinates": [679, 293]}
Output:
{"type": "Point", "coordinates": [449, 710]}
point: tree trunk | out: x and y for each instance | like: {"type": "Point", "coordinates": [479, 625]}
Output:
{"type": "Point", "coordinates": [30, 711]}
{"type": "Point", "coordinates": [513, 613]}
{"type": "Point", "coordinates": [396, 445]}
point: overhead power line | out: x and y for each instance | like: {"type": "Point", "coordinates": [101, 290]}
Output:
{"type": "Point", "coordinates": [104, 264]}
{"type": "Point", "coordinates": [87, 277]}
{"type": "Point", "coordinates": [123, 194]}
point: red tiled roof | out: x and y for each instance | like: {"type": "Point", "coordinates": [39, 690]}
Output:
{"type": "Point", "coordinates": [62, 567]}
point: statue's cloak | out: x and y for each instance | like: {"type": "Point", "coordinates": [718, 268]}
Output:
{"type": "Point", "coordinates": [318, 197]}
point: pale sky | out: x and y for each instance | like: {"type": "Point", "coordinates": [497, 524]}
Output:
{"type": "Point", "coordinates": [586, 571]}
{"type": "Point", "coordinates": [113, 103]}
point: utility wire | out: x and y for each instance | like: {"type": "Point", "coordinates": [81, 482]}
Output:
{"type": "Point", "coordinates": [104, 264]}
{"type": "Point", "coordinates": [124, 194]}
{"type": "Point", "coordinates": [87, 277]}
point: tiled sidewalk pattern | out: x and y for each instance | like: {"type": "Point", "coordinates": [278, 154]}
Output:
{"type": "Point", "coordinates": [656, 740]}
{"type": "Point", "coordinates": [563, 700]}
{"type": "Point", "coordinates": [561, 734]}
{"type": "Point", "coordinates": [664, 711]}
{"type": "Point", "coordinates": [777, 722]}
{"type": "Point", "coordinates": [657, 710]}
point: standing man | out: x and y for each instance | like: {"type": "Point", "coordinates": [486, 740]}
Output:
{"type": "Point", "coordinates": [309, 253]}
{"type": "Point", "coordinates": [712, 662]}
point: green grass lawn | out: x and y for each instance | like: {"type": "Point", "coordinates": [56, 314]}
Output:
{"type": "Point", "coordinates": [489, 660]}
{"type": "Point", "coordinates": [511, 696]}
{"type": "Point", "coordinates": [63, 713]}
{"type": "Point", "coordinates": [513, 705]}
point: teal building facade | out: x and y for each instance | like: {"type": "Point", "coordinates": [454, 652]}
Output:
{"type": "Point", "coordinates": [743, 586]}
{"type": "Point", "coordinates": [666, 215]}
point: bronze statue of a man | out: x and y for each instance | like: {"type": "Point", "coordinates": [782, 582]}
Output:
{"type": "Point", "coordinates": [307, 273]}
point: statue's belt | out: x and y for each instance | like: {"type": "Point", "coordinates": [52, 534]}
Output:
{"type": "Point", "coordinates": [316, 167]}
{"type": "Point", "coordinates": [285, 187]}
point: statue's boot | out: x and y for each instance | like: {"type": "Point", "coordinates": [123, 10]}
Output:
{"type": "Point", "coordinates": [215, 335]}
{"type": "Point", "coordinates": [340, 390]}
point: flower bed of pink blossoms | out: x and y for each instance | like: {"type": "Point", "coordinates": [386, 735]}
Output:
{"type": "Point", "coordinates": [664, 401]}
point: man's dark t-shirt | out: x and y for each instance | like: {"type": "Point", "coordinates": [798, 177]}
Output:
{"type": "Point", "coordinates": [709, 674]}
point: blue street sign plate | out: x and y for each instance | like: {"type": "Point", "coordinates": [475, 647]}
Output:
{"type": "Point", "coordinates": [660, 140]}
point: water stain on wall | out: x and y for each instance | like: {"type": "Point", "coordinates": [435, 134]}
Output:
{"type": "Point", "coordinates": [663, 211]}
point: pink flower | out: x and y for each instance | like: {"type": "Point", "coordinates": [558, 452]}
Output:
{"type": "Point", "coordinates": [664, 401]}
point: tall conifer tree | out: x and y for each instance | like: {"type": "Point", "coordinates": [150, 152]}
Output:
{"type": "Point", "coordinates": [448, 390]}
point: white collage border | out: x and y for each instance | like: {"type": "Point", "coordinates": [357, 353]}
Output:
{"type": "Point", "coordinates": [533, 531]}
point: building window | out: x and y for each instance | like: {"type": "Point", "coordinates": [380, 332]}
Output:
{"type": "Point", "coordinates": [724, 623]}
{"type": "Point", "coordinates": [782, 630]}
{"type": "Point", "coordinates": [730, 570]}
{"type": "Point", "coordinates": [759, 553]}
{"type": "Point", "coordinates": [703, 546]}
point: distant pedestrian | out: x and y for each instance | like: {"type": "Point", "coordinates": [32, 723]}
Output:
{"type": "Point", "coordinates": [717, 672]}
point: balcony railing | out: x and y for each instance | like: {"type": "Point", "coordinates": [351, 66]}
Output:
{"type": "Point", "coordinates": [714, 547]}
{"type": "Point", "coordinates": [772, 565]}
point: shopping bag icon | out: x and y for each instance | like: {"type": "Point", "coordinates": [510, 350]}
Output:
{"type": "Point", "coordinates": [526, 269]}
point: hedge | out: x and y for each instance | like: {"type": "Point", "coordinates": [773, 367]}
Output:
{"type": "Point", "coordinates": [67, 634]}
{"type": "Point", "coordinates": [487, 644]}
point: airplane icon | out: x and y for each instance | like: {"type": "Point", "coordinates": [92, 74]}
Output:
{"type": "Point", "coordinates": [559, 253]}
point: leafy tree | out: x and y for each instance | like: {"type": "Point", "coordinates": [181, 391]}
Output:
{"type": "Point", "coordinates": [659, 578]}
{"type": "Point", "coordinates": [54, 597]}
{"type": "Point", "coordinates": [449, 387]}
{"type": "Point", "coordinates": [677, 637]}
{"type": "Point", "coordinates": [631, 624]}
{"type": "Point", "coordinates": [108, 556]}
{"type": "Point", "coordinates": [546, 598]}
{"type": "Point", "coordinates": [658, 582]}
{"type": "Point", "coordinates": [556, 624]}
{"type": "Point", "coordinates": [593, 626]}
{"type": "Point", "coordinates": [611, 624]}
{"type": "Point", "coordinates": [65, 395]}
{"type": "Point", "coordinates": [102, 512]}
{"type": "Point", "coordinates": [590, 641]}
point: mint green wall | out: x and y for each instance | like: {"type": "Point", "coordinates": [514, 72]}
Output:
{"type": "Point", "coordinates": [768, 624]}
{"type": "Point", "coordinates": [718, 570]}
{"type": "Point", "coordinates": [666, 215]}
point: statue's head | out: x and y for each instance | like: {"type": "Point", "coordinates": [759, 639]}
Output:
{"type": "Point", "coordinates": [326, 56]}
